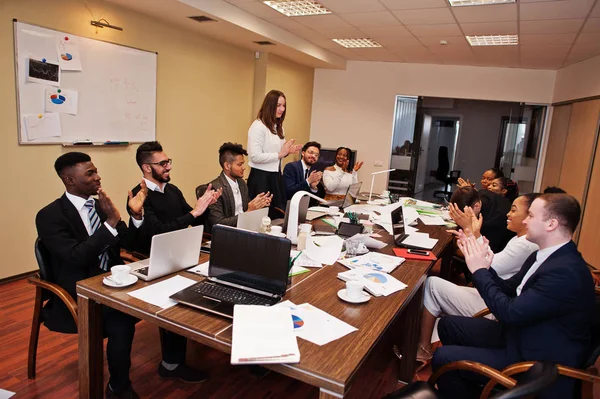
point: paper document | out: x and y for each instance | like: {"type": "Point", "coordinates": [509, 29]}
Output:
{"type": "Point", "coordinates": [60, 100]}
{"type": "Point", "coordinates": [201, 269]}
{"type": "Point", "coordinates": [296, 270]}
{"type": "Point", "coordinates": [40, 126]}
{"type": "Point", "coordinates": [4, 394]}
{"type": "Point", "coordinates": [323, 209]}
{"type": "Point", "coordinates": [420, 240]}
{"type": "Point", "coordinates": [376, 282]}
{"type": "Point", "coordinates": [301, 259]}
{"type": "Point", "coordinates": [315, 325]}
{"type": "Point", "coordinates": [368, 241]}
{"type": "Point", "coordinates": [374, 261]}
{"type": "Point", "coordinates": [158, 293]}
{"type": "Point", "coordinates": [263, 334]}
{"type": "Point", "coordinates": [324, 250]}
{"type": "Point", "coordinates": [432, 220]}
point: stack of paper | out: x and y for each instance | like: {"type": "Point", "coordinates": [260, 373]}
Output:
{"type": "Point", "coordinates": [374, 261]}
{"type": "Point", "coordinates": [300, 258]}
{"type": "Point", "coordinates": [419, 240]}
{"type": "Point", "coordinates": [263, 334]}
{"type": "Point", "coordinates": [158, 293]}
{"type": "Point", "coordinates": [377, 283]}
{"type": "Point", "coordinates": [315, 325]}
{"type": "Point", "coordinates": [324, 250]}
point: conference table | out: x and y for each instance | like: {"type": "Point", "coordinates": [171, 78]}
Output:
{"type": "Point", "coordinates": [331, 367]}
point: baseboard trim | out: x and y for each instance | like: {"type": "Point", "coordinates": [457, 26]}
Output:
{"type": "Point", "coordinates": [17, 277]}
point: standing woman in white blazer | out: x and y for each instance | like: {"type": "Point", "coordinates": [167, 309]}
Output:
{"type": "Point", "coordinates": [266, 148]}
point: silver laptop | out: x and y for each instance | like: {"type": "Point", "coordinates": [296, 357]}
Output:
{"type": "Point", "coordinates": [169, 253]}
{"type": "Point", "coordinates": [252, 220]}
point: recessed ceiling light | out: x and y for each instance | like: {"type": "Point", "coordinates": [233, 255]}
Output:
{"type": "Point", "coordinates": [357, 43]}
{"type": "Point", "coordinates": [297, 8]}
{"type": "Point", "coordinates": [459, 3]}
{"type": "Point", "coordinates": [493, 40]}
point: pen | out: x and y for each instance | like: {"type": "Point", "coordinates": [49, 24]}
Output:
{"type": "Point", "coordinates": [115, 142]}
{"type": "Point", "coordinates": [252, 359]}
{"type": "Point", "coordinates": [297, 256]}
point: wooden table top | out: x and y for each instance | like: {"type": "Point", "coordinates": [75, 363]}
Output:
{"type": "Point", "coordinates": [332, 365]}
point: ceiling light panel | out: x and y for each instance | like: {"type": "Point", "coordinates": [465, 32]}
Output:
{"type": "Point", "coordinates": [357, 43]}
{"type": "Point", "coordinates": [493, 40]}
{"type": "Point", "coordinates": [297, 8]}
{"type": "Point", "coordinates": [459, 3]}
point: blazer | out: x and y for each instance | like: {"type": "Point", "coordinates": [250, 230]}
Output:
{"type": "Point", "coordinates": [74, 255]}
{"type": "Point", "coordinates": [494, 208]}
{"type": "Point", "coordinates": [223, 211]}
{"type": "Point", "coordinates": [293, 175]}
{"type": "Point", "coordinates": [552, 318]}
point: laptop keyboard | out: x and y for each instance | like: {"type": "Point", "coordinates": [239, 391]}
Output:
{"type": "Point", "coordinates": [231, 295]}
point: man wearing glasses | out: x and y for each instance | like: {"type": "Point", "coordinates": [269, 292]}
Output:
{"type": "Point", "coordinates": [301, 175]}
{"type": "Point", "coordinates": [165, 208]}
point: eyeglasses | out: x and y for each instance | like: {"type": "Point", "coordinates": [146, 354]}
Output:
{"type": "Point", "coordinates": [162, 163]}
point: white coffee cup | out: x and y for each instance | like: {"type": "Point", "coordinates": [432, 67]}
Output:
{"type": "Point", "coordinates": [276, 230]}
{"type": "Point", "coordinates": [333, 210]}
{"type": "Point", "coordinates": [120, 274]}
{"type": "Point", "coordinates": [305, 228]}
{"type": "Point", "coordinates": [354, 289]}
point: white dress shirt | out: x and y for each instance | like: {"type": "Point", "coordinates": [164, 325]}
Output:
{"type": "Point", "coordinates": [541, 257]}
{"type": "Point", "coordinates": [263, 147]}
{"type": "Point", "coordinates": [305, 167]}
{"type": "Point", "coordinates": [155, 187]}
{"type": "Point", "coordinates": [508, 262]}
{"type": "Point", "coordinates": [79, 204]}
{"type": "Point", "coordinates": [235, 187]}
{"type": "Point", "coordinates": [337, 181]}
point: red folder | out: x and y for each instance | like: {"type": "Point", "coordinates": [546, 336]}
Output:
{"type": "Point", "coordinates": [403, 252]}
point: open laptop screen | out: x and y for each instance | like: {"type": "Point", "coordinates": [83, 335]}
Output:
{"type": "Point", "coordinates": [351, 194]}
{"type": "Point", "coordinates": [398, 223]}
{"type": "Point", "coordinates": [253, 260]}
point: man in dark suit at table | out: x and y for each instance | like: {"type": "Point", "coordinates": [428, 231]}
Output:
{"type": "Point", "coordinates": [234, 198]}
{"type": "Point", "coordinates": [302, 175]}
{"type": "Point", "coordinates": [165, 208]}
{"type": "Point", "coordinates": [544, 311]}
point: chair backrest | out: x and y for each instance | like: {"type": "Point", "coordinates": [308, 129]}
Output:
{"type": "Point", "coordinates": [200, 190]}
{"type": "Point", "coordinates": [43, 259]}
{"type": "Point", "coordinates": [595, 345]}
{"type": "Point", "coordinates": [443, 164]}
{"type": "Point", "coordinates": [538, 377]}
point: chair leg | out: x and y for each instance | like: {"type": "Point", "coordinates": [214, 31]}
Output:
{"type": "Point", "coordinates": [35, 333]}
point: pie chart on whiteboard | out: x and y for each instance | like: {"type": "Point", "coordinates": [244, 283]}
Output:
{"type": "Point", "coordinates": [66, 56]}
{"type": "Point", "coordinates": [57, 99]}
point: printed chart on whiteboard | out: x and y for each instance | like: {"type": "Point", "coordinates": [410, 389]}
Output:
{"type": "Point", "coordinates": [73, 89]}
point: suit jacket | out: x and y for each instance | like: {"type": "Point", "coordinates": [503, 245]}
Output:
{"type": "Point", "coordinates": [552, 318]}
{"type": "Point", "coordinates": [494, 208]}
{"type": "Point", "coordinates": [293, 175]}
{"type": "Point", "coordinates": [74, 255]}
{"type": "Point", "coordinates": [223, 211]}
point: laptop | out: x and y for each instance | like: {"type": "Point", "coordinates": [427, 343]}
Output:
{"type": "Point", "coordinates": [245, 267]}
{"type": "Point", "coordinates": [350, 197]}
{"type": "Point", "coordinates": [398, 229]}
{"type": "Point", "coordinates": [169, 253]}
{"type": "Point", "coordinates": [252, 220]}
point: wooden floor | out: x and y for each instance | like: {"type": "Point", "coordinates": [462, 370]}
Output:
{"type": "Point", "coordinates": [56, 375]}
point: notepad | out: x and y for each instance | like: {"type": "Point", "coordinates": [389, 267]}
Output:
{"type": "Point", "coordinates": [262, 335]}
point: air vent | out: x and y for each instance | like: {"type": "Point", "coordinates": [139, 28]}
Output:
{"type": "Point", "coordinates": [202, 18]}
{"type": "Point", "coordinates": [264, 43]}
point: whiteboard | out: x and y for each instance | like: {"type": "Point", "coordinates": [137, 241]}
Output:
{"type": "Point", "coordinates": [113, 95]}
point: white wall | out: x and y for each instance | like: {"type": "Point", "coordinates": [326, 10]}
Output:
{"type": "Point", "coordinates": [355, 107]}
{"type": "Point", "coordinates": [579, 80]}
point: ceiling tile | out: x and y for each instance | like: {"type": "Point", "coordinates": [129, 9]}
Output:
{"type": "Point", "coordinates": [454, 43]}
{"type": "Point", "coordinates": [316, 38]}
{"type": "Point", "coordinates": [320, 22]}
{"type": "Point", "coordinates": [379, 54]}
{"type": "Point", "coordinates": [544, 52]}
{"type": "Point", "coordinates": [592, 25]}
{"type": "Point", "coordinates": [591, 39]}
{"type": "Point", "coordinates": [348, 6]}
{"type": "Point", "coordinates": [260, 10]}
{"type": "Point", "coordinates": [415, 54]}
{"type": "Point", "coordinates": [547, 39]}
{"type": "Point", "coordinates": [396, 31]}
{"type": "Point", "coordinates": [435, 30]}
{"type": "Point", "coordinates": [425, 17]}
{"type": "Point", "coordinates": [241, 1]}
{"type": "Point", "coordinates": [495, 53]}
{"type": "Point", "coordinates": [491, 13]}
{"type": "Point", "coordinates": [555, 10]}
{"type": "Point", "coordinates": [596, 11]}
{"type": "Point", "coordinates": [413, 4]}
{"type": "Point", "coordinates": [490, 28]}
{"type": "Point", "coordinates": [347, 53]}
{"type": "Point", "coordinates": [551, 26]}
{"type": "Point", "coordinates": [287, 23]}
{"type": "Point", "coordinates": [391, 41]}
{"type": "Point", "coordinates": [345, 33]}
{"type": "Point", "coordinates": [582, 52]}
{"type": "Point", "coordinates": [542, 64]}
{"type": "Point", "coordinates": [367, 19]}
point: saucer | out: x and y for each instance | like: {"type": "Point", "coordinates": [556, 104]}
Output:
{"type": "Point", "coordinates": [277, 234]}
{"type": "Point", "coordinates": [132, 279]}
{"type": "Point", "coordinates": [342, 294]}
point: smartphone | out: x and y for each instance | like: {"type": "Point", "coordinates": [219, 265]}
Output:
{"type": "Point", "coordinates": [418, 252]}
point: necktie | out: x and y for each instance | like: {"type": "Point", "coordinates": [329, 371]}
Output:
{"type": "Point", "coordinates": [306, 173]}
{"type": "Point", "coordinates": [94, 225]}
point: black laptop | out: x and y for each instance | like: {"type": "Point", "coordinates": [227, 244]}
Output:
{"type": "Point", "coordinates": [398, 229]}
{"type": "Point", "coordinates": [245, 268]}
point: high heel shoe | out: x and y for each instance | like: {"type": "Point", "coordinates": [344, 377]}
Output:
{"type": "Point", "coordinates": [423, 361]}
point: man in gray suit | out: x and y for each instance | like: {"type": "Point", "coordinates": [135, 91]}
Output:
{"type": "Point", "coordinates": [234, 199]}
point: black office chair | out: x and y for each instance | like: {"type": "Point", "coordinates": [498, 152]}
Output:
{"type": "Point", "coordinates": [532, 380]}
{"type": "Point", "coordinates": [444, 174]}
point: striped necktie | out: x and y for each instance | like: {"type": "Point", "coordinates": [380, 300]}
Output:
{"type": "Point", "coordinates": [95, 225]}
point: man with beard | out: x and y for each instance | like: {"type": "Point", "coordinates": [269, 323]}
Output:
{"type": "Point", "coordinates": [165, 208]}
{"type": "Point", "coordinates": [301, 175]}
{"type": "Point", "coordinates": [235, 199]}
